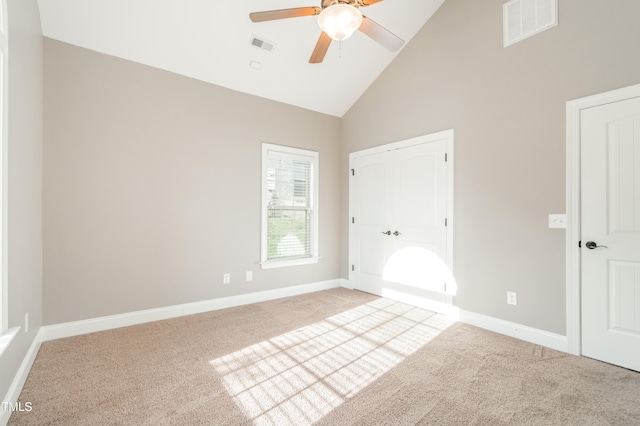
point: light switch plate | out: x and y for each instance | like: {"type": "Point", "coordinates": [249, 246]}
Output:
{"type": "Point", "coordinates": [557, 221]}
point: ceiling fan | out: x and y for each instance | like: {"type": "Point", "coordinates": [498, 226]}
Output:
{"type": "Point", "coordinates": [338, 19]}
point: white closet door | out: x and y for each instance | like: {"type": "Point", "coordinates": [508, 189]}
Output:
{"type": "Point", "coordinates": [399, 207]}
{"type": "Point", "coordinates": [372, 201]}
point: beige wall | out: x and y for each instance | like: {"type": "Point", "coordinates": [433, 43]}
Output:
{"type": "Point", "coordinates": [152, 187]}
{"type": "Point", "coordinates": [24, 183]}
{"type": "Point", "coordinates": [507, 107]}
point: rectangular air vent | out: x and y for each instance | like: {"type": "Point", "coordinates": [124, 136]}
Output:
{"type": "Point", "coordinates": [524, 18]}
{"type": "Point", "coordinates": [261, 43]}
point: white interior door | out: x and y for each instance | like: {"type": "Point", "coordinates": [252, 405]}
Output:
{"type": "Point", "coordinates": [610, 213]}
{"type": "Point", "coordinates": [399, 237]}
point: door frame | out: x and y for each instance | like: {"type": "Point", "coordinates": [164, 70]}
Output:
{"type": "Point", "coordinates": [447, 135]}
{"type": "Point", "coordinates": [573, 206]}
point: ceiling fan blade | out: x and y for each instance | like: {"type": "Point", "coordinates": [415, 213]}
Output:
{"type": "Point", "coordinates": [380, 34]}
{"type": "Point", "coordinates": [270, 15]}
{"type": "Point", "coordinates": [321, 49]}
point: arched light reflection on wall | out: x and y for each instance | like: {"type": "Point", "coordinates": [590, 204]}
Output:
{"type": "Point", "coordinates": [422, 268]}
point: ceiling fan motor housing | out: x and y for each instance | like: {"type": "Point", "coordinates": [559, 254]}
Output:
{"type": "Point", "coordinates": [354, 3]}
{"type": "Point", "coordinates": [340, 20]}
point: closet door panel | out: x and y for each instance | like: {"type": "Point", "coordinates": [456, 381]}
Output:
{"type": "Point", "coordinates": [372, 212]}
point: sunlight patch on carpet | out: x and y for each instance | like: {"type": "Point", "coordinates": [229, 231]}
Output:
{"type": "Point", "coordinates": [298, 377]}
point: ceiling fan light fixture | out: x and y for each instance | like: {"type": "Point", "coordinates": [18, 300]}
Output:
{"type": "Point", "coordinates": [340, 21]}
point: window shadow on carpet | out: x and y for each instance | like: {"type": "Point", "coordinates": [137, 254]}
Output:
{"type": "Point", "coordinates": [300, 376]}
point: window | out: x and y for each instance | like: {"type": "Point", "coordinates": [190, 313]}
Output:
{"type": "Point", "coordinates": [289, 206]}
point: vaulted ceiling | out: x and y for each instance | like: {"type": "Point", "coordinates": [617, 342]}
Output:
{"type": "Point", "coordinates": [211, 41]}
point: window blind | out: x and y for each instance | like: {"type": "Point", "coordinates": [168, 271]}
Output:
{"type": "Point", "coordinates": [289, 206]}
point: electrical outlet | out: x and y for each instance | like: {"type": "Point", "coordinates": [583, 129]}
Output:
{"type": "Point", "coordinates": [26, 322]}
{"type": "Point", "coordinates": [511, 298]}
{"type": "Point", "coordinates": [226, 278]}
{"type": "Point", "coordinates": [249, 275]}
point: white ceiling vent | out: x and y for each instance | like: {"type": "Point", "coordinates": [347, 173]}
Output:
{"type": "Point", "coordinates": [261, 43]}
{"type": "Point", "coordinates": [524, 18]}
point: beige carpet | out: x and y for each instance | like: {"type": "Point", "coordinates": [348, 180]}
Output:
{"type": "Point", "coordinates": [336, 357]}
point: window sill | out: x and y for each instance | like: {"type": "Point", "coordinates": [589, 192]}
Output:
{"type": "Point", "coordinates": [270, 264]}
{"type": "Point", "coordinates": [6, 338]}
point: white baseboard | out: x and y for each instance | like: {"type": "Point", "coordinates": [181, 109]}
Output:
{"type": "Point", "coordinates": [21, 376]}
{"type": "Point", "coordinates": [75, 328]}
{"type": "Point", "coordinates": [442, 306]}
{"type": "Point", "coordinates": [518, 331]}
{"type": "Point", "coordinates": [522, 332]}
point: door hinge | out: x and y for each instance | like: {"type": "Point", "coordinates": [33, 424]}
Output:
{"type": "Point", "coordinates": [445, 287]}
{"type": "Point", "coordinates": [580, 244]}
{"type": "Point", "coordinates": [445, 156]}
{"type": "Point", "coordinates": [445, 221]}
{"type": "Point", "coordinates": [353, 268]}
{"type": "Point", "coordinates": [353, 220]}
{"type": "Point", "coordinates": [353, 172]}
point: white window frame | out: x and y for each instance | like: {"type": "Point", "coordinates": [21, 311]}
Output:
{"type": "Point", "coordinates": [4, 72]}
{"type": "Point", "coordinates": [314, 158]}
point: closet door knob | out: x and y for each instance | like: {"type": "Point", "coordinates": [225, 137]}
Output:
{"type": "Point", "coordinates": [387, 233]}
{"type": "Point", "coordinates": [396, 233]}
